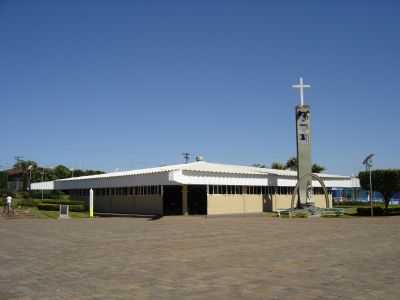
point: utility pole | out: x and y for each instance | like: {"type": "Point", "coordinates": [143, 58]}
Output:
{"type": "Point", "coordinates": [42, 182]}
{"type": "Point", "coordinates": [30, 167]}
{"type": "Point", "coordinates": [186, 156]}
{"type": "Point", "coordinates": [368, 166]}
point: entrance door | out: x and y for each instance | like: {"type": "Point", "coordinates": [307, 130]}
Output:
{"type": "Point", "coordinates": [172, 199]}
{"type": "Point", "coordinates": [197, 199]}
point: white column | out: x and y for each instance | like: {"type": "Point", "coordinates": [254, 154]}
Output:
{"type": "Point", "coordinates": [91, 193]}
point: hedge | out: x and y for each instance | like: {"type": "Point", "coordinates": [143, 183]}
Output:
{"type": "Point", "coordinates": [67, 202]}
{"type": "Point", "coordinates": [56, 207]}
{"type": "Point", "coordinates": [351, 203]}
{"type": "Point", "coordinates": [393, 211]}
{"type": "Point", "coordinates": [27, 202]}
{"type": "Point", "coordinates": [49, 194]}
{"type": "Point", "coordinates": [378, 211]}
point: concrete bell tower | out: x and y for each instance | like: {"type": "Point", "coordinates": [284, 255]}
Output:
{"type": "Point", "coordinates": [303, 143]}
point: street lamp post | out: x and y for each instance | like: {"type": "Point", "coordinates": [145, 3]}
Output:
{"type": "Point", "coordinates": [368, 166]}
{"type": "Point", "coordinates": [30, 167]}
{"type": "Point", "coordinates": [42, 181]}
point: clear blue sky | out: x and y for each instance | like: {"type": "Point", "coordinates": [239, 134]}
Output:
{"type": "Point", "coordinates": [130, 84]}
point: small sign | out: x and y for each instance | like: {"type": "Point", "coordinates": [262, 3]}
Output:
{"type": "Point", "coordinates": [64, 211]}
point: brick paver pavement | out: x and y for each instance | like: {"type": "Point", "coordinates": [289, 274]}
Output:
{"type": "Point", "coordinates": [252, 257]}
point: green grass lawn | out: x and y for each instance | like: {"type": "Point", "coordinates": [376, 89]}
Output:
{"type": "Point", "coordinates": [45, 214]}
{"type": "Point", "coordinates": [48, 214]}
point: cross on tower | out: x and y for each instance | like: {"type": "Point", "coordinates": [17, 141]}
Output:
{"type": "Point", "coordinates": [301, 87]}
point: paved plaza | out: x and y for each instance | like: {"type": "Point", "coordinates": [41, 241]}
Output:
{"type": "Point", "coordinates": [243, 257]}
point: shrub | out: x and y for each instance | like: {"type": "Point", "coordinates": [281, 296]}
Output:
{"type": "Point", "coordinates": [4, 194]}
{"type": "Point", "coordinates": [392, 211]}
{"type": "Point", "coordinates": [50, 195]}
{"type": "Point", "coordinates": [48, 206]}
{"type": "Point", "coordinates": [27, 202]}
{"type": "Point", "coordinates": [77, 208]}
{"type": "Point", "coordinates": [379, 211]}
{"type": "Point", "coordinates": [67, 202]}
{"type": "Point", "coordinates": [366, 211]}
{"type": "Point", "coordinates": [351, 203]}
{"type": "Point", "coordinates": [56, 207]}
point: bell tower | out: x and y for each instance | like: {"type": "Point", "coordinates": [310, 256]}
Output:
{"type": "Point", "coordinates": [303, 143]}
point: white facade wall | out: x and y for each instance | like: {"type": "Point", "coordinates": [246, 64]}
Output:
{"type": "Point", "coordinates": [45, 185]}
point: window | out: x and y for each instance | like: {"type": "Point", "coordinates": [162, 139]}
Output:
{"type": "Point", "coordinates": [252, 190]}
{"type": "Point", "coordinates": [223, 189]}
{"type": "Point", "coordinates": [238, 189]}
{"type": "Point", "coordinates": [258, 190]}
{"type": "Point", "coordinates": [229, 189]}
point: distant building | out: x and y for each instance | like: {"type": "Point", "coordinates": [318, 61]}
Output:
{"type": "Point", "coordinates": [195, 188]}
{"type": "Point", "coordinates": [15, 179]}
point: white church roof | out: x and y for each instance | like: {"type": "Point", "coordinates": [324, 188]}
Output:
{"type": "Point", "coordinates": [201, 166]}
{"type": "Point", "coordinates": [200, 172]}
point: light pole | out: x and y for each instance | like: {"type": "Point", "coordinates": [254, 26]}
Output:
{"type": "Point", "coordinates": [72, 172]}
{"type": "Point", "coordinates": [368, 166]}
{"type": "Point", "coordinates": [42, 181]}
{"type": "Point", "coordinates": [30, 167]}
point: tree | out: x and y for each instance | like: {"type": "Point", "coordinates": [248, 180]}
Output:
{"type": "Point", "coordinates": [27, 168]}
{"type": "Point", "coordinates": [79, 173]}
{"type": "Point", "coordinates": [317, 168]}
{"type": "Point", "coordinates": [61, 172]}
{"type": "Point", "coordinates": [291, 164]}
{"type": "Point", "coordinates": [3, 181]}
{"type": "Point", "coordinates": [278, 166]}
{"type": "Point", "coordinates": [38, 173]}
{"type": "Point", "coordinates": [385, 181]}
{"type": "Point", "coordinates": [93, 172]}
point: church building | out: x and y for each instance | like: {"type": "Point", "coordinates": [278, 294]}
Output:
{"type": "Point", "coordinates": [197, 188]}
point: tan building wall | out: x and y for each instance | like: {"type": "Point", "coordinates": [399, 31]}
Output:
{"type": "Point", "coordinates": [285, 201]}
{"type": "Point", "coordinates": [234, 204]}
{"type": "Point", "coordinates": [320, 201]}
{"type": "Point", "coordinates": [216, 203]}
{"type": "Point", "coordinates": [281, 202]}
